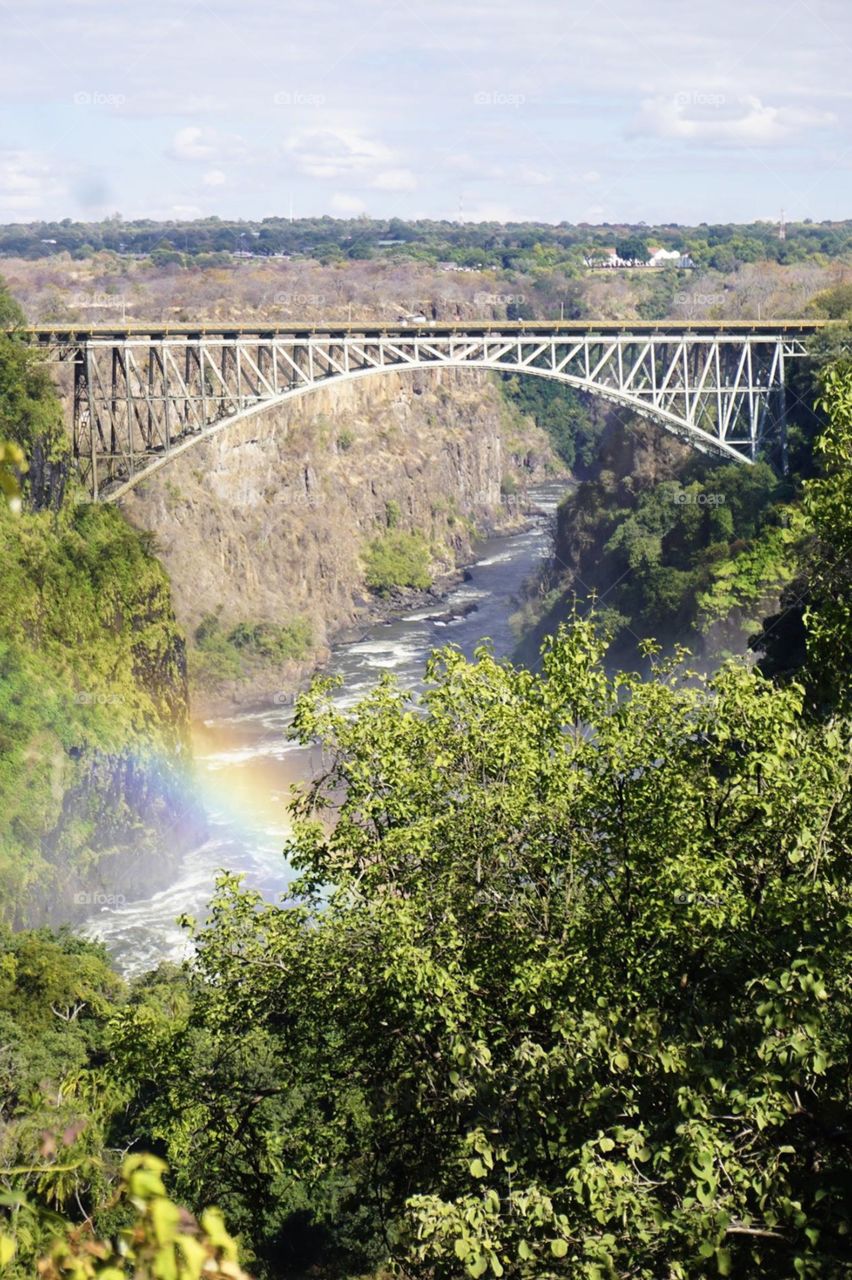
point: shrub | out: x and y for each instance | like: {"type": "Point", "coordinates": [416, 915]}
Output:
{"type": "Point", "coordinates": [222, 655]}
{"type": "Point", "coordinates": [398, 559]}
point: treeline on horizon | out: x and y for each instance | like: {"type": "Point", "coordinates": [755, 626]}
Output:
{"type": "Point", "coordinates": [493, 245]}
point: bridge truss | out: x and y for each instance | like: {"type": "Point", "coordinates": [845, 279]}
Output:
{"type": "Point", "coordinates": [141, 400]}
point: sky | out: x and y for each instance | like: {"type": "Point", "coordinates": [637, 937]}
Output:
{"type": "Point", "coordinates": [549, 110]}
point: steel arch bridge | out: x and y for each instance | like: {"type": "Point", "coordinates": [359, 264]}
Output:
{"type": "Point", "coordinates": [142, 397]}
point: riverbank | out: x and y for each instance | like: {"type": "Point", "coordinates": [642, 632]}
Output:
{"type": "Point", "coordinates": [280, 684]}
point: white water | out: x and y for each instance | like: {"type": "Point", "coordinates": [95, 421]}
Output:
{"type": "Point", "coordinates": [246, 765]}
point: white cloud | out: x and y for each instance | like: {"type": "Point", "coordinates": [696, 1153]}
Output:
{"type": "Point", "coordinates": [337, 153]}
{"type": "Point", "coordinates": [395, 180]}
{"type": "Point", "coordinates": [712, 116]}
{"type": "Point", "coordinates": [192, 143]}
{"type": "Point", "coordinates": [347, 205]}
{"type": "Point", "coordinates": [214, 178]}
{"type": "Point", "coordinates": [27, 180]}
{"type": "Point", "coordinates": [532, 177]}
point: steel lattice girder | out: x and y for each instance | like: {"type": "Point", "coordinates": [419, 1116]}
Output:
{"type": "Point", "coordinates": [140, 401]}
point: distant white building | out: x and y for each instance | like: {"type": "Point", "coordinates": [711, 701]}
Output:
{"type": "Point", "coordinates": [669, 258]}
{"type": "Point", "coordinates": [609, 259]}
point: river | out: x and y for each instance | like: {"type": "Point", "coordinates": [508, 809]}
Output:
{"type": "Point", "coordinates": [245, 763]}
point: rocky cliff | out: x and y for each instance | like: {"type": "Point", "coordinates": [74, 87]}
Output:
{"type": "Point", "coordinates": [672, 546]}
{"type": "Point", "coordinates": [270, 520]}
{"type": "Point", "coordinates": [633, 457]}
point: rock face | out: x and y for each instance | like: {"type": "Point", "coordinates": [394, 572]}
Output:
{"type": "Point", "coordinates": [100, 804]}
{"type": "Point", "coordinates": [632, 455]}
{"type": "Point", "coordinates": [269, 519]}
{"type": "Point", "coordinates": [125, 821]}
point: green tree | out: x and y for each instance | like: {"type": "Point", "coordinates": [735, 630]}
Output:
{"type": "Point", "coordinates": [834, 303]}
{"type": "Point", "coordinates": [632, 249]}
{"type": "Point", "coordinates": [30, 415]}
{"type": "Point", "coordinates": [811, 638]}
{"type": "Point", "coordinates": [564, 989]}
{"type": "Point", "coordinates": [560, 411]}
{"type": "Point", "coordinates": [828, 573]}
{"type": "Point", "coordinates": [397, 559]}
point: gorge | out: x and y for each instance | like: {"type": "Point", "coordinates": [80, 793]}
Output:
{"type": "Point", "coordinates": [245, 765]}
{"type": "Point", "coordinates": [269, 533]}
{"type": "Point", "coordinates": [511, 841]}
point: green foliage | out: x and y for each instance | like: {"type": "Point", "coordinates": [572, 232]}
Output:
{"type": "Point", "coordinates": [632, 249]}
{"type": "Point", "coordinates": [278, 643]}
{"type": "Point", "coordinates": [828, 561]}
{"type": "Point", "coordinates": [558, 410]}
{"type": "Point", "coordinates": [167, 257]}
{"type": "Point", "coordinates": [673, 558]}
{"type": "Point", "coordinates": [658, 294]}
{"type": "Point", "coordinates": [56, 994]}
{"type": "Point", "coordinates": [69, 1206]}
{"type": "Point", "coordinates": [13, 464]}
{"type": "Point", "coordinates": [30, 412]}
{"type": "Point", "coordinates": [740, 584]}
{"type": "Point", "coordinates": [834, 303]}
{"type": "Point", "coordinates": [92, 665]}
{"type": "Point", "coordinates": [233, 654]}
{"type": "Point", "coordinates": [397, 559]}
{"type": "Point", "coordinates": [520, 246]}
{"type": "Point", "coordinates": [29, 407]}
{"type": "Point", "coordinates": [810, 639]}
{"type": "Point", "coordinates": [160, 1240]}
{"type": "Point", "coordinates": [565, 987]}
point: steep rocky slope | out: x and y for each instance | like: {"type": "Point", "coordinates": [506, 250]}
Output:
{"type": "Point", "coordinates": [672, 545]}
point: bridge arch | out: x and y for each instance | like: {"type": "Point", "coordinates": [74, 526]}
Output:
{"type": "Point", "coordinates": [668, 421]}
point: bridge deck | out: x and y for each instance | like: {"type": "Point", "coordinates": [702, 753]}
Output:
{"type": "Point", "coordinates": [61, 334]}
